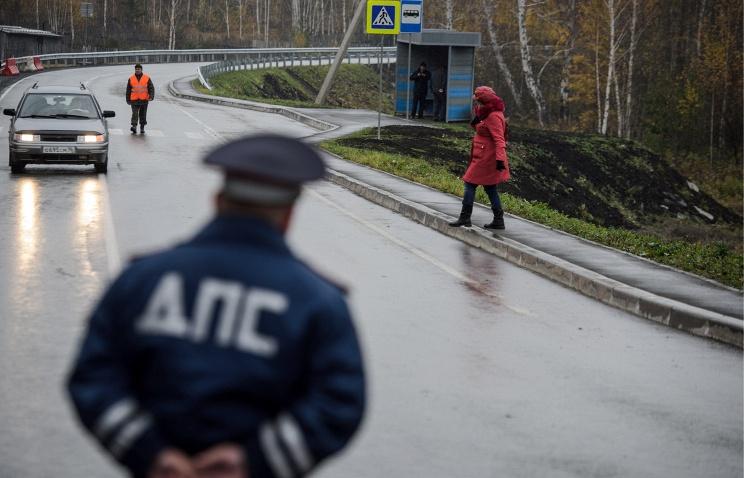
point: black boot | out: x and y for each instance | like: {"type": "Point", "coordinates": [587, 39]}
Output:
{"type": "Point", "coordinates": [498, 220]}
{"type": "Point", "coordinates": [464, 219]}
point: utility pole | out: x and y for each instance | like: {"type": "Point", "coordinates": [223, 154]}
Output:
{"type": "Point", "coordinates": [340, 53]}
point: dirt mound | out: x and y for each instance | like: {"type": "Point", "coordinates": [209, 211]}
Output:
{"type": "Point", "coordinates": [606, 181]}
{"type": "Point", "coordinates": [276, 87]}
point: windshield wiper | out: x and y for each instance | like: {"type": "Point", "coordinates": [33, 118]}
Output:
{"type": "Point", "coordinates": [36, 116]}
{"type": "Point", "coordinates": [67, 115]}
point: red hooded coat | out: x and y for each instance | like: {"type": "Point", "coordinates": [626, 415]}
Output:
{"type": "Point", "coordinates": [489, 144]}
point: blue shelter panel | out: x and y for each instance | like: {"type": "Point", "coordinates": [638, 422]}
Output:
{"type": "Point", "coordinates": [460, 78]}
{"type": "Point", "coordinates": [447, 53]}
{"type": "Point", "coordinates": [401, 79]}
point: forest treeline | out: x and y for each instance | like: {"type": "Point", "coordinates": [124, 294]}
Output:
{"type": "Point", "coordinates": [665, 72]}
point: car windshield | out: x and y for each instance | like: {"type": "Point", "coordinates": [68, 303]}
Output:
{"type": "Point", "coordinates": [48, 105]}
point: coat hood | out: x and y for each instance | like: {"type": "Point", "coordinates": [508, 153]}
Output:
{"type": "Point", "coordinates": [489, 99]}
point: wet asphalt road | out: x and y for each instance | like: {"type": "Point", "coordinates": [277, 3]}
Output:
{"type": "Point", "coordinates": [477, 368]}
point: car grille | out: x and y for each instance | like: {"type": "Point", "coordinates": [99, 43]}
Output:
{"type": "Point", "coordinates": [58, 138]}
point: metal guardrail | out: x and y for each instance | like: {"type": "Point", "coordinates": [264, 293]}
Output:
{"type": "Point", "coordinates": [294, 57]}
{"type": "Point", "coordinates": [267, 55]}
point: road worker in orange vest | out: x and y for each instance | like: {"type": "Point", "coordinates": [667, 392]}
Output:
{"type": "Point", "coordinates": [140, 91]}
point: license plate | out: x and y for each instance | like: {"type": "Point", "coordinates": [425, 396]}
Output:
{"type": "Point", "coordinates": [58, 149]}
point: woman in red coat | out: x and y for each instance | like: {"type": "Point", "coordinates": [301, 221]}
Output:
{"type": "Point", "coordinates": [489, 165]}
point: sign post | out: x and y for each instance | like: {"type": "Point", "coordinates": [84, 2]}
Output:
{"type": "Point", "coordinates": [383, 18]}
{"type": "Point", "coordinates": [412, 13]}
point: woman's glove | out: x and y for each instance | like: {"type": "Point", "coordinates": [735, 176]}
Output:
{"type": "Point", "coordinates": [500, 165]}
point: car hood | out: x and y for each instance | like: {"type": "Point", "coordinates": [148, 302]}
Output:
{"type": "Point", "coordinates": [59, 124]}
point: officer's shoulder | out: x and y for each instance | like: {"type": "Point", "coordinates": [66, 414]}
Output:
{"type": "Point", "coordinates": [324, 280]}
{"type": "Point", "coordinates": [149, 261]}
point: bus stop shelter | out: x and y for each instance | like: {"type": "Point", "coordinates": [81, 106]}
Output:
{"type": "Point", "coordinates": [19, 41]}
{"type": "Point", "coordinates": [455, 51]}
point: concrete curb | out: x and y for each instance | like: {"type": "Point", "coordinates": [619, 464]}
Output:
{"type": "Point", "coordinates": [675, 314]}
{"type": "Point", "coordinates": [252, 105]}
{"type": "Point", "coordinates": [644, 304]}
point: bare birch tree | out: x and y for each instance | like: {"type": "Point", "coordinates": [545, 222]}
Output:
{"type": "Point", "coordinates": [295, 16]}
{"type": "Point", "coordinates": [631, 55]}
{"type": "Point", "coordinates": [448, 8]}
{"type": "Point", "coordinates": [618, 105]}
{"type": "Point", "coordinates": [227, 18]}
{"type": "Point", "coordinates": [497, 48]}
{"type": "Point", "coordinates": [532, 85]}
{"type": "Point", "coordinates": [174, 5]}
{"type": "Point", "coordinates": [258, 19]}
{"type": "Point", "coordinates": [241, 10]}
{"type": "Point", "coordinates": [267, 18]}
{"type": "Point", "coordinates": [610, 65]}
{"type": "Point", "coordinates": [701, 18]}
{"type": "Point", "coordinates": [568, 55]}
{"type": "Point", "coordinates": [596, 80]}
{"type": "Point", "coordinates": [72, 26]}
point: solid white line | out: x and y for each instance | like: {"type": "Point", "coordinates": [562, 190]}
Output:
{"type": "Point", "coordinates": [112, 247]}
{"type": "Point", "coordinates": [208, 130]}
{"type": "Point", "coordinates": [88, 81]}
{"type": "Point", "coordinates": [7, 90]}
{"type": "Point", "coordinates": [417, 252]}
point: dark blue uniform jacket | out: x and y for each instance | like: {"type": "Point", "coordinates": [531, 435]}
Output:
{"type": "Point", "coordinates": [226, 338]}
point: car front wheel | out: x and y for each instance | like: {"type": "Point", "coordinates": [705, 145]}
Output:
{"type": "Point", "coordinates": [102, 167]}
{"type": "Point", "coordinates": [15, 166]}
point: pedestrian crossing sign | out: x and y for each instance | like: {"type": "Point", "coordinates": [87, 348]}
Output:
{"type": "Point", "coordinates": [383, 17]}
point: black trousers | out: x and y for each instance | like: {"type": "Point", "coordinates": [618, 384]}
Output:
{"type": "Point", "coordinates": [418, 103]}
{"type": "Point", "coordinates": [440, 101]}
{"type": "Point", "coordinates": [139, 112]}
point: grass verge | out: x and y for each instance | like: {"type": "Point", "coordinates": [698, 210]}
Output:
{"type": "Point", "coordinates": [298, 87]}
{"type": "Point", "coordinates": [714, 261]}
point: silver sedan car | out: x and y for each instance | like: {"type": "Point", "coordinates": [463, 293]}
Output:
{"type": "Point", "coordinates": [58, 125]}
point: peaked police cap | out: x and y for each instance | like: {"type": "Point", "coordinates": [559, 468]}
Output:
{"type": "Point", "coordinates": [269, 158]}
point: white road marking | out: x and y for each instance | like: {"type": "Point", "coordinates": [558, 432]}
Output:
{"type": "Point", "coordinates": [192, 135]}
{"type": "Point", "coordinates": [417, 252]}
{"type": "Point", "coordinates": [211, 132]}
{"type": "Point", "coordinates": [155, 133]}
{"type": "Point", "coordinates": [7, 90]}
{"type": "Point", "coordinates": [112, 247]}
{"type": "Point", "coordinates": [116, 131]}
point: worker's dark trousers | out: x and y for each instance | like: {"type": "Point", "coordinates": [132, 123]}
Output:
{"type": "Point", "coordinates": [139, 112]}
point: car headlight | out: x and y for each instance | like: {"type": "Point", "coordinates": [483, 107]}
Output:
{"type": "Point", "coordinates": [90, 138]}
{"type": "Point", "coordinates": [26, 137]}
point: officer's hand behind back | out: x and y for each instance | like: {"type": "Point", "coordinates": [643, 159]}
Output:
{"type": "Point", "coordinates": [172, 463]}
{"type": "Point", "coordinates": [225, 460]}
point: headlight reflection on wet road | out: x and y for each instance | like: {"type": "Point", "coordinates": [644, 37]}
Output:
{"type": "Point", "coordinates": [27, 234]}
{"type": "Point", "coordinates": [88, 222]}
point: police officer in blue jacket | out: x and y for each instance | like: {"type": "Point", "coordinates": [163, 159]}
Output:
{"type": "Point", "coordinates": [226, 355]}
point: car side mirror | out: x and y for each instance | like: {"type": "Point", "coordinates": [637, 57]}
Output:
{"type": "Point", "coordinates": [9, 112]}
{"type": "Point", "coordinates": [109, 113]}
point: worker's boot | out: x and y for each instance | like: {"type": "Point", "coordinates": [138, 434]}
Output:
{"type": "Point", "coordinates": [464, 219]}
{"type": "Point", "coordinates": [142, 129]}
{"type": "Point", "coordinates": [498, 219]}
{"type": "Point", "coordinates": [133, 129]}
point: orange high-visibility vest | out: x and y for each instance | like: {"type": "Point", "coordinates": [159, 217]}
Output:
{"type": "Point", "coordinates": [139, 88]}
